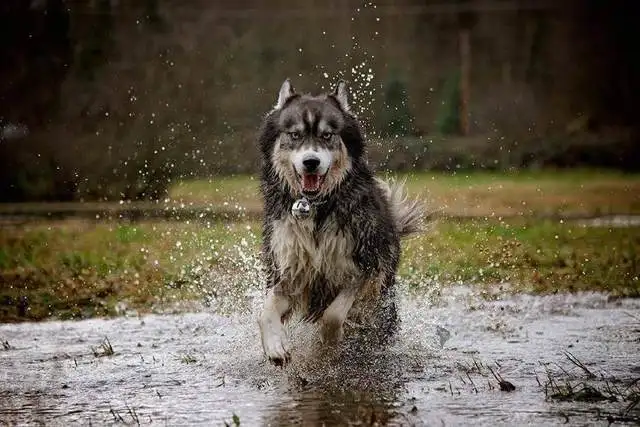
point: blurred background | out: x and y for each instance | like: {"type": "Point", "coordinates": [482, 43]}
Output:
{"type": "Point", "coordinates": [128, 186]}
{"type": "Point", "coordinates": [114, 99]}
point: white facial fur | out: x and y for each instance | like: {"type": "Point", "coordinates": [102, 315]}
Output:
{"type": "Point", "coordinates": [325, 156]}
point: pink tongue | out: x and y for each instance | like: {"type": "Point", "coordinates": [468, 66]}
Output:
{"type": "Point", "coordinates": [310, 182]}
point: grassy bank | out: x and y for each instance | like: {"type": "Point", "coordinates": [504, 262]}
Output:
{"type": "Point", "coordinates": [77, 269]}
{"type": "Point", "coordinates": [549, 192]}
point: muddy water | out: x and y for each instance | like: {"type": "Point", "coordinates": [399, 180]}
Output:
{"type": "Point", "coordinates": [201, 368]}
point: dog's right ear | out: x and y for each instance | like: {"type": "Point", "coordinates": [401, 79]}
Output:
{"type": "Point", "coordinates": [286, 92]}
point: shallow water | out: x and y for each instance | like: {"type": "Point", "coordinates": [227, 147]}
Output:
{"type": "Point", "coordinates": [201, 368]}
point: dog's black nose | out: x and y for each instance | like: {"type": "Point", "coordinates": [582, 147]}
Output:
{"type": "Point", "coordinates": [311, 164]}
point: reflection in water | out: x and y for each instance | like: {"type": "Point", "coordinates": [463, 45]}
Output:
{"type": "Point", "coordinates": [351, 384]}
{"type": "Point", "coordinates": [323, 407]}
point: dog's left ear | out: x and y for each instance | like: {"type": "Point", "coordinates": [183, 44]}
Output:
{"type": "Point", "coordinates": [341, 95]}
{"type": "Point", "coordinates": [286, 92]}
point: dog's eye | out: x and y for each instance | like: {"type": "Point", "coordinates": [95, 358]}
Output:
{"type": "Point", "coordinates": [326, 135]}
{"type": "Point", "coordinates": [294, 135]}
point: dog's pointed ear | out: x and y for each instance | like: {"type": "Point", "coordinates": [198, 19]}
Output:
{"type": "Point", "coordinates": [341, 95]}
{"type": "Point", "coordinates": [286, 92]}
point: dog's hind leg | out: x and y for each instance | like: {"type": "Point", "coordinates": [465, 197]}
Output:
{"type": "Point", "coordinates": [276, 307]}
{"type": "Point", "coordinates": [335, 315]}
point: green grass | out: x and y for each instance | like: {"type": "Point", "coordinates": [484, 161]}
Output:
{"type": "Point", "coordinates": [242, 189]}
{"type": "Point", "coordinates": [533, 193]}
{"type": "Point", "coordinates": [104, 349]}
{"type": "Point", "coordinates": [188, 358]}
{"type": "Point", "coordinates": [539, 257]}
{"type": "Point", "coordinates": [78, 269]}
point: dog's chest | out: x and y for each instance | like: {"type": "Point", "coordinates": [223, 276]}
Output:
{"type": "Point", "coordinates": [303, 254]}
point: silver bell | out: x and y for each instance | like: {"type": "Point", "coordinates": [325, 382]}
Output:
{"type": "Point", "coordinates": [301, 208]}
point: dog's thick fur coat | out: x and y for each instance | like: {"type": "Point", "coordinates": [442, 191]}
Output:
{"type": "Point", "coordinates": [341, 261]}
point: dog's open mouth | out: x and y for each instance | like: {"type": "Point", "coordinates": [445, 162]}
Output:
{"type": "Point", "coordinates": [311, 183]}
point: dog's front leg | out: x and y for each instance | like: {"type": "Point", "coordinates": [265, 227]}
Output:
{"type": "Point", "coordinates": [272, 330]}
{"type": "Point", "coordinates": [335, 315]}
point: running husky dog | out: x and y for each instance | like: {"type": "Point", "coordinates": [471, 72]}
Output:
{"type": "Point", "coordinates": [339, 261]}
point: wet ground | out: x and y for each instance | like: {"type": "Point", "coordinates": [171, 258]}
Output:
{"type": "Point", "coordinates": [202, 368]}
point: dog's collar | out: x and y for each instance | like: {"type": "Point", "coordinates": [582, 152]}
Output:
{"type": "Point", "coordinates": [303, 207]}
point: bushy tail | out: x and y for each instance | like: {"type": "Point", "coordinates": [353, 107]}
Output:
{"type": "Point", "coordinates": [408, 214]}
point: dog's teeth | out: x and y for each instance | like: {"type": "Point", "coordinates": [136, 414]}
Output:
{"type": "Point", "coordinates": [312, 182]}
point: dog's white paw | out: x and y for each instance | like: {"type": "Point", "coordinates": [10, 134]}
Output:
{"type": "Point", "coordinates": [275, 347]}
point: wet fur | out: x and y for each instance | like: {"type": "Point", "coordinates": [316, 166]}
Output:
{"type": "Point", "coordinates": [350, 247]}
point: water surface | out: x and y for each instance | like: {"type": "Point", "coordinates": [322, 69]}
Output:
{"type": "Point", "coordinates": [201, 368]}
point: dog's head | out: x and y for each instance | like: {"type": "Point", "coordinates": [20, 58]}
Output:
{"type": "Point", "coordinates": [311, 142]}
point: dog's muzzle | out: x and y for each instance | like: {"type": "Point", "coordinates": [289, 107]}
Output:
{"type": "Point", "coordinates": [311, 177]}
